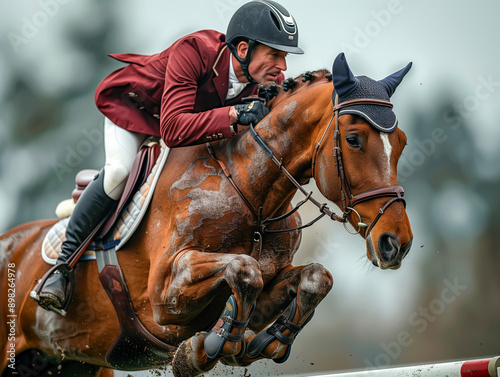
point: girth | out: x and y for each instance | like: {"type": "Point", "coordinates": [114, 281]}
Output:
{"type": "Point", "coordinates": [135, 347]}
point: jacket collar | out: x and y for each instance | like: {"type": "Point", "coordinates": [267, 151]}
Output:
{"type": "Point", "coordinates": [221, 72]}
{"type": "Point", "coordinates": [221, 78]}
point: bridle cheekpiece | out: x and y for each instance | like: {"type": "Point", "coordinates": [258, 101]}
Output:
{"type": "Point", "coordinates": [349, 201]}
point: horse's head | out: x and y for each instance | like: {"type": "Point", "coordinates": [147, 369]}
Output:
{"type": "Point", "coordinates": [355, 164]}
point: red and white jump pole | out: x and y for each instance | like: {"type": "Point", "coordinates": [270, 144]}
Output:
{"type": "Point", "coordinates": [473, 368]}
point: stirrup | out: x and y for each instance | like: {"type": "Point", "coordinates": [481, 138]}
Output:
{"type": "Point", "coordinates": [214, 341]}
{"type": "Point", "coordinates": [69, 273]}
{"type": "Point", "coordinates": [275, 331]}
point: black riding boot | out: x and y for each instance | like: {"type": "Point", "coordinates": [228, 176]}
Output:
{"type": "Point", "coordinates": [90, 209]}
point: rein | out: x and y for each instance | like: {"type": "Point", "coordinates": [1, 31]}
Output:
{"type": "Point", "coordinates": [348, 200]}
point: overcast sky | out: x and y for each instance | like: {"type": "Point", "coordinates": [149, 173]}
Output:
{"type": "Point", "coordinates": [449, 41]}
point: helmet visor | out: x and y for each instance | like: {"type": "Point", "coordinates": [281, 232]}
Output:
{"type": "Point", "coordinates": [279, 47]}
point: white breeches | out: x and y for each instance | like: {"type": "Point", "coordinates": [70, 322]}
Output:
{"type": "Point", "coordinates": [121, 147]}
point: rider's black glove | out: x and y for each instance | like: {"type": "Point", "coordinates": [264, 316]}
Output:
{"type": "Point", "coordinates": [252, 112]}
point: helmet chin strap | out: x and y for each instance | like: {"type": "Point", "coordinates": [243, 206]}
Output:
{"type": "Point", "coordinates": [246, 61]}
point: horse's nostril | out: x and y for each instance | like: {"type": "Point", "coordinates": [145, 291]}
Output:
{"type": "Point", "coordinates": [388, 245]}
{"type": "Point", "coordinates": [406, 248]}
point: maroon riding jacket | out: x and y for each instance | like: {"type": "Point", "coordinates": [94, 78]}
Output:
{"type": "Point", "coordinates": [178, 94]}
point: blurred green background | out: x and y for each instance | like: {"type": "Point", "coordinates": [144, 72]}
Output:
{"type": "Point", "coordinates": [444, 302]}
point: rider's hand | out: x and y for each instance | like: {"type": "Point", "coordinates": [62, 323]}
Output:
{"type": "Point", "coordinates": [252, 112]}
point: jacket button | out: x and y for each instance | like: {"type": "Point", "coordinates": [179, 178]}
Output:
{"type": "Point", "coordinates": [157, 116]}
{"type": "Point", "coordinates": [132, 95]}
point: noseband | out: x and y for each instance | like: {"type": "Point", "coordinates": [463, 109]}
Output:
{"type": "Point", "coordinates": [349, 201]}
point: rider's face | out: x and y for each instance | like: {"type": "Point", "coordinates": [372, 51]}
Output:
{"type": "Point", "coordinates": [266, 64]}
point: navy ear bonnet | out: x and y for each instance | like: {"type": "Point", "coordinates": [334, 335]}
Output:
{"type": "Point", "coordinates": [349, 87]}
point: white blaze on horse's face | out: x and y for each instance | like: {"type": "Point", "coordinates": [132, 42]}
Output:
{"type": "Point", "coordinates": [387, 172]}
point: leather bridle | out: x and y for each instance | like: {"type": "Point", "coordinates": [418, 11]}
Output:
{"type": "Point", "coordinates": [349, 201]}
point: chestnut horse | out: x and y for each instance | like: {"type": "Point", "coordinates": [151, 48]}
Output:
{"type": "Point", "coordinates": [205, 241]}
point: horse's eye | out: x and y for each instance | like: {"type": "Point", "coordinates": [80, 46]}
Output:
{"type": "Point", "coordinates": [353, 141]}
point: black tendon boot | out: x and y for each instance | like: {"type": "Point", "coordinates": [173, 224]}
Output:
{"type": "Point", "coordinates": [90, 209]}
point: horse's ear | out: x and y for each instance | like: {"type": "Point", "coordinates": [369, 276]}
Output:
{"type": "Point", "coordinates": [391, 82]}
{"type": "Point", "coordinates": [344, 81]}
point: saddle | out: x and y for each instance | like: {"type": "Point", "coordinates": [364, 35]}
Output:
{"type": "Point", "coordinates": [121, 223]}
{"type": "Point", "coordinates": [141, 169]}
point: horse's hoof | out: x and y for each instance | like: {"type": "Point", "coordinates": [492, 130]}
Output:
{"type": "Point", "coordinates": [186, 362]}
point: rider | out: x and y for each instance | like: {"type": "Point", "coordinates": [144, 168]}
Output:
{"type": "Point", "coordinates": [188, 94]}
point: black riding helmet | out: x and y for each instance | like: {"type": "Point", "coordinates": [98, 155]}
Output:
{"type": "Point", "coordinates": [265, 22]}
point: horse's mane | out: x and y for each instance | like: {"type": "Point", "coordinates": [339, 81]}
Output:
{"type": "Point", "coordinates": [292, 86]}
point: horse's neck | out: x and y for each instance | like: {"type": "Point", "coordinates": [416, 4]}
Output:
{"type": "Point", "coordinates": [290, 131]}
{"type": "Point", "coordinates": [294, 127]}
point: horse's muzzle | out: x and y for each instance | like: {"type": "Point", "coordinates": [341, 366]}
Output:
{"type": "Point", "coordinates": [390, 251]}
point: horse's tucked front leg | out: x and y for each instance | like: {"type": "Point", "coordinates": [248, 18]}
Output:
{"type": "Point", "coordinates": [290, 302]}
{"type": "Point", "coordinates": [210, 276]}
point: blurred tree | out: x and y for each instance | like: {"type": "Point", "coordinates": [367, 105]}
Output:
{"type": "Point", "coordinates": [44, 132]}
{"type": "Point", "coordinates": [460, 210]}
